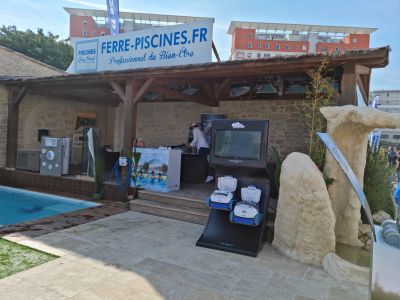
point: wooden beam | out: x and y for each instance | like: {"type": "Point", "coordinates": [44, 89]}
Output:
{"type": "Point", "coordinates": [215, 52]}
{"type": "Point", "coordinates": [20, 95]}
{"type": "Point", "coordinates": [222, 89]}
{"type": "Point", "coordinates": [12, 129]}
{"type": "Point", "coordinates": [361, 86]}
{"type": "Point", "coordinates": [348, 86]}
{"type": "Point", "coordinates": [143, 90]}
{"type": "Point", "coordinates": [178, 95]}
{"type": "Point", "coordinates": [67, 98]}
{"type": "Point", "coordinates": [210, 94]}
{"type": "Point", "coordinates": [130, 116]}
{"type": "Point", "coordinates": [360, 69]}
{"type": "Point", "coordinates": [118, 89]}
{"type": "Point", "coordinates": [367, 80]}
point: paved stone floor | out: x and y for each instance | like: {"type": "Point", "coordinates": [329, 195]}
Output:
{"type": "Point", "coordinates": [138, 256]}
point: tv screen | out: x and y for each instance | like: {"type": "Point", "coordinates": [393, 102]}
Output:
{"type": "Point", "coordinates": [238, 144]}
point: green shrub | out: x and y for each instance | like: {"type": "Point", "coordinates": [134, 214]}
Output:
{"type": "Point", "coordinates": [320, 93]}
{"type": "Point", "coordinates": [377, 182]}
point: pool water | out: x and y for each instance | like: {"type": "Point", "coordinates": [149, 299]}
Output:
{"type": "Point", "coordinates": [17, 205]}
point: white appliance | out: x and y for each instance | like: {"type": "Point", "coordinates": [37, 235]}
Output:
{"type": "Point", "coordinates": [28, 159]}
{"type": "Point", "coordinates": [250, 194]}
{"type": "Point", "coordinates": [78, 140]}
{"type": "Point", "coordinates": [248, 207]}
{"type": "Point", "coordinates": [159, 169]}
{"type": "Point", "coordinates": [226, 186]}
{"type": "Point", "coordinates": [54, 156]}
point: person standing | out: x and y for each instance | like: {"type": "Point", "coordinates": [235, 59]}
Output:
{"type": "Point", "coordinates": [397, 170]}
{"type": "Point", "coordinates": [199, 142]}
{"type": "Point", "coordinates": [392, 155]}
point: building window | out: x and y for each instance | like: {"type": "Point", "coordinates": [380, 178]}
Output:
{"type": "Point", "coordinates": [304, 48]}
{"type": "Point", "coordinates": [249, 55]}
{"type": "Point", "coordinates": [259, 46]}
{"type": "Point", "coordinates": [84, 22]}
{"type": "Point", "coordinates": [387, 94]}
{"type": "Point", "coordinates": [258, 55]}
{"type": "Point", "coordinates": [250, 35]}
{"type": "Point", "coordinates": [277, 47]}
{"type": "Point", "coordinates": [84, 33]}
{"type": "Point", "coordinates": [355, 41]}
{"type": "Point", "coordinates": [250, 45]}
{"type": "Point", "coordinates": [384, 136]}
{"type": "Point", "coordinates": [337, 49]}
{"type": "Point", "coordinates": [103, 33]}
{"type": "Point", "coordinates": [93, 33]}
{"type": "Point", "coordinates": [266, 55]}
{"type": "Point", "coordinates": [240, 55]}
{"type": "Point", "coordinates": [324, 49]}
{"type": "Point", "coordinates": [266, 46]}
{"type": "Point", "coordinates": [286, 47]}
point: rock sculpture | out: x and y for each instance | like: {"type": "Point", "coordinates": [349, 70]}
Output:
{"type": "Point", "coordinates": [381, 216]}
{"type": "Point", "coordinates": [305, 222]}
{"type": "Point", "coordinates": [349, 126]}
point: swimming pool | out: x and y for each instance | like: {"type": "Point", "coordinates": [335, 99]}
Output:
{"type": "Point", "coordinates": [17, 205]}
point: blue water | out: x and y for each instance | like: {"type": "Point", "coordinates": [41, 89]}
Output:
{"type": "Point", "coordinates": [17, 206]}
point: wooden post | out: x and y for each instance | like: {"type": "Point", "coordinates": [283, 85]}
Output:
{"type": "Point", "coordinates": [130, 115]}
{"type": "Point", "coordinates": [12, 129]}
{"type": "Point", "coordinates": [348, 86]}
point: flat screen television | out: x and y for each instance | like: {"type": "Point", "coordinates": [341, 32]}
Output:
{"type": "Point", "coordinates": [239, 143]}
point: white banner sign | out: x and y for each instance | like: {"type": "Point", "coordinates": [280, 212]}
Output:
{"type": "Point", "coordinates": [189, 43]}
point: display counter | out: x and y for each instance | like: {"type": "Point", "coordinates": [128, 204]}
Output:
{"type": "Point", "coordinates": [194, 168]}
{"type": "Point", "coordinates": [159, 169]}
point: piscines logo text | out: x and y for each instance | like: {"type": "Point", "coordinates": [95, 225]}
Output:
{"type": "Point", "coordinates": [86, 55]}
{"type": "Point", "coordinates": [188, 43]}
{"type": "Point", "coordinates": [182, 39]}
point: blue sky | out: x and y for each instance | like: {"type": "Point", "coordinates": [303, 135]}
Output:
{"type": "Point", "coordinates": [382, 14]}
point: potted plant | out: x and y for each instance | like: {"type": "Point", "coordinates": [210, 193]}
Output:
{"type": "Point", "coordinates": [99, 177]}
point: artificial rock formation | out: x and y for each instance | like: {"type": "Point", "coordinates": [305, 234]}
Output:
{"type": "Point", "coordinates": [305, 222]}
{"type": "Point", "coordinates": [349, 127]}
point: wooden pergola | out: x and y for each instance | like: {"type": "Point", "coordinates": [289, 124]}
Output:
{"type": "Point", "coordinates": [213, 80]}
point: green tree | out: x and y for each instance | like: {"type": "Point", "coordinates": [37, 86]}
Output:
{"type": "Point", "coordinates": [377, 182]}
{"type": "Point", "coordinates": [47, 48]}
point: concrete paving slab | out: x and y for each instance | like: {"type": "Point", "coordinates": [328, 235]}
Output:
{"type": "Point", "coordinates": [138, 256]}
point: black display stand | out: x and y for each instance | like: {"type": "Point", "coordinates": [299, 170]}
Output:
{"type": "Point", "coordinates": [219, 233]}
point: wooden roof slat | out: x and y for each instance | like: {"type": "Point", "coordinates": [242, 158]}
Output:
{"type": "Point", "coordinates": [370, 58]}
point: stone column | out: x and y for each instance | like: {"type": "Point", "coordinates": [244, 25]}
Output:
{"type": "Point", "coordinates": [349, 127]}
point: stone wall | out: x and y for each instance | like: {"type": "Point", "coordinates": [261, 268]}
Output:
{"type": "Point", "coordinates": [167, 123]}
{"type": "Point", "coordinates": [3, 124]}
{"type": "Point", "coordinates": [158, 123]}
{"type": "Point", "coordinates": [287, 131]}
{"type": "Point", "coordinates": [58, 116]}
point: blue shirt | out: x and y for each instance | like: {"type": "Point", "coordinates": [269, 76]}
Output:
{"type": "Point", "coordinates": [396, 194]}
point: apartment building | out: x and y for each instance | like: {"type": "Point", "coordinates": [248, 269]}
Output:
{"type": "Point", "coordinates": [87, 23]}
{"type": "Point", "coordinates": [252, 40]}
{"type": "Point", "coordinates": [389, 101]}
